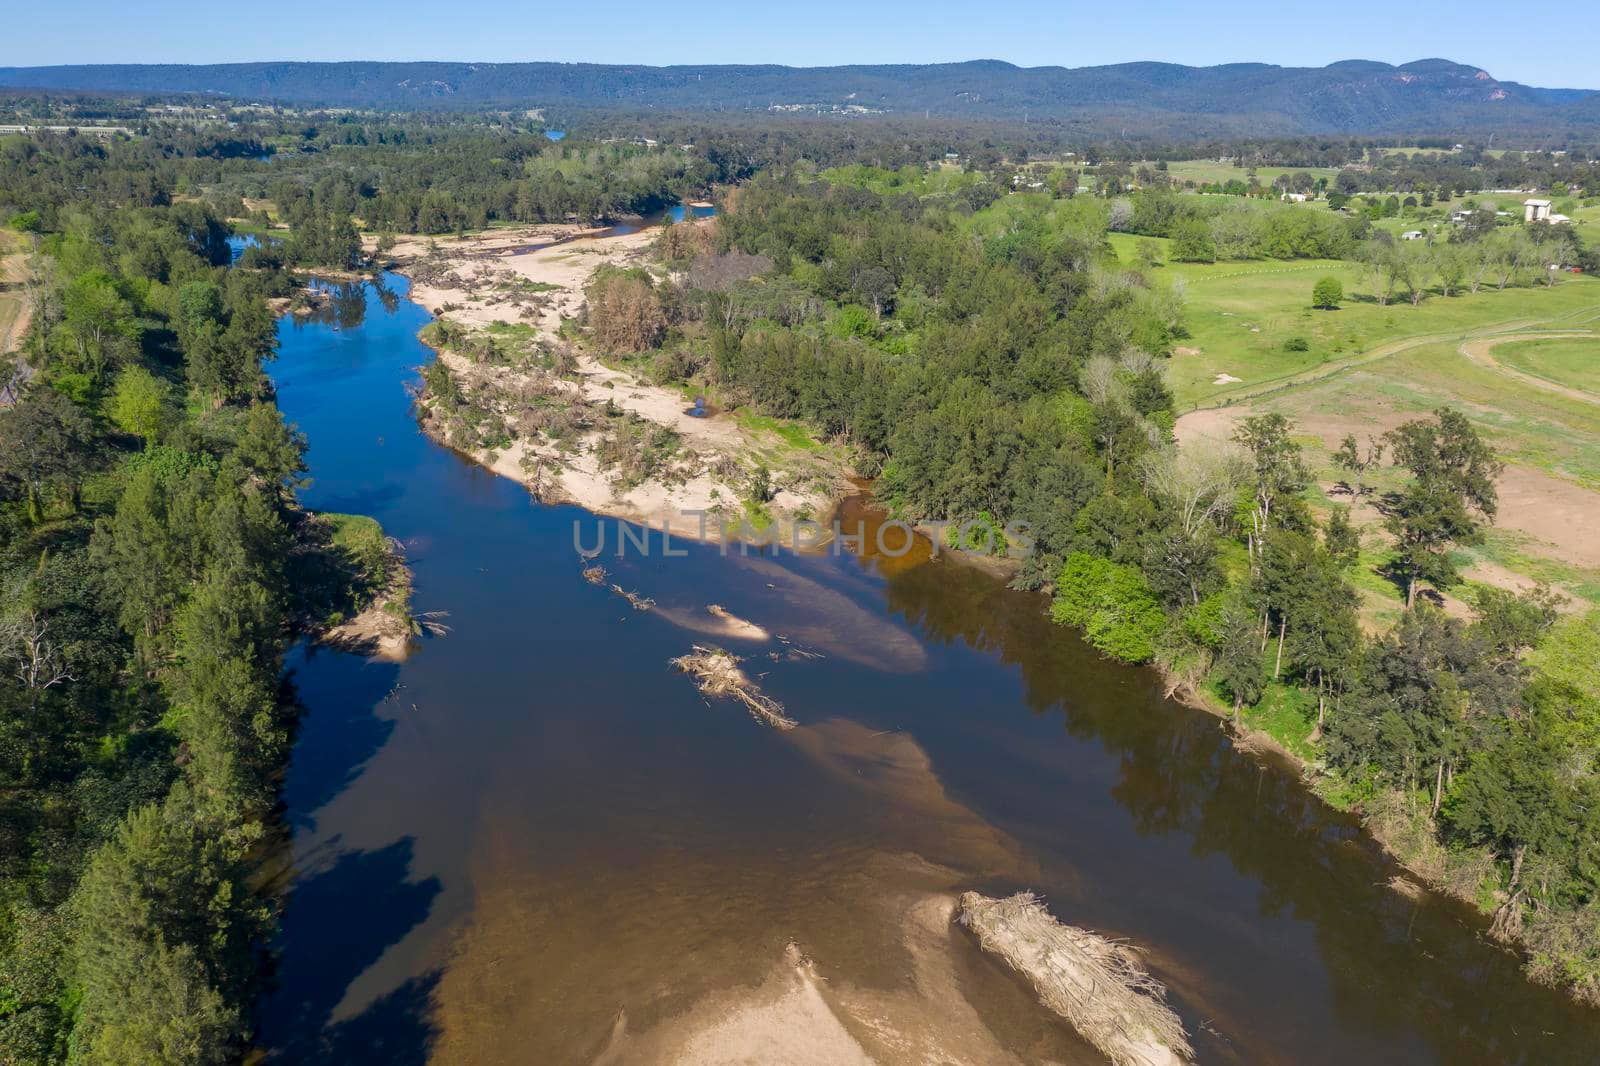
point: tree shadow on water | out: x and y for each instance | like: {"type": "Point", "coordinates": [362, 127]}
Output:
{"type": "Point", "coordinates": [337, 924]}
{"type": "Point", "coordinates": [339, 729]}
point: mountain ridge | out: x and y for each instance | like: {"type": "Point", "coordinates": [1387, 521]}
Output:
{"type": "Point", "coordinates": [1349, 96]}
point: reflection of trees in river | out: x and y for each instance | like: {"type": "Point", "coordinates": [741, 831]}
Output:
{"type": "Point", "coordinates": [345, 304]}
{"type": "Point", "coordinates": [1408, 975]}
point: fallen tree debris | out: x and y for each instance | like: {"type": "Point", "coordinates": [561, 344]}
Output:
{"type": "Point", "coordinates": [636, 601]}
{"type": "Point", "coordinates": [718, 674]}
{"type": "Point", "coordinates": [1097, 985]}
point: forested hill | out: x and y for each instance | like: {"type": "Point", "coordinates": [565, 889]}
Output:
{"type": "Point", "coordinates": [1355, 96]}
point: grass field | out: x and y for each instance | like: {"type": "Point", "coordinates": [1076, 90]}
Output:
{"type": "Point", "coordinates": [1557, 434]}
{"type": "Point", "coordinates": [1243, 316]}
{"type": "Point", "coordinates": [1201, 171]}
{"type": "Point", "coordinates": [1574, 363]}
{"type": "Point", "coordinates": [1550, 491]}
{"type": "Point", "coordinates": [1586, 217]}
{"type": "Point", "coordinates": [1522, 364]}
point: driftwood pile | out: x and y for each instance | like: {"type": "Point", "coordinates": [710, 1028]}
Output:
{"type": "Point", "coordinates": [1097, 985]}
{"type": "Point", "coordinates": [636, 601]}
{"type": "Point", "coordinates": [717, 673]}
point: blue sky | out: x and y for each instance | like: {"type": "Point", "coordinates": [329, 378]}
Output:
{"type": "Point", "coordinates": [1549, 48]}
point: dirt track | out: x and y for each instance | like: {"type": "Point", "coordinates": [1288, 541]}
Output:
{"type": "Point", "coordinates": [15, 310]}
{"type": "Point", "coordinates": [1480, 351]}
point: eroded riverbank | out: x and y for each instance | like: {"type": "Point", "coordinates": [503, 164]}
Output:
{"type": "Point", "coordinates": [522, 397]}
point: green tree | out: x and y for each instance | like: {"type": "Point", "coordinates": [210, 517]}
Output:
{"type": "Point", "coordinates": [148, 551]}
{"type": "Point", "coordinates": [1532, 797]}
{"type": "Point", "coordinates": [98, 324]}
{"type": "Point", "coordinates": [224, 691]}
{"type": "Point", "coordinates": [1238, 665]}
{"type": "Point", "coordinates": [139, 404]}
{"type": "Point", "coordinates": [1279, 471]}
{"type": "Point", "coordinates": [1341, 538]}
{"type": "Point", "coordinates": [270, 448]}
{"type": "Point", "coordinates": [161, 937]}
{"type": "Point", "coordinates": [1450, 495]}
{"type": "Point", "coordinates": [1351, 459]}
{"type": "Point", "coordinates": [1113, 604]}
{"type": "Point", "coordinates": [1192, 243]}
{"type": "Point", "coordinates": [1406, 716]}
{"type": "Point", "coordinates": [1327, 294]}
{"type": "Point", "coordinates": [760, 486]}
{"type": "Point", "coordinates": [46, 440]}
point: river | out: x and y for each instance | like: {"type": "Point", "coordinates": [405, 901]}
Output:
{"type": "Point", "coordinates": [534, 826]}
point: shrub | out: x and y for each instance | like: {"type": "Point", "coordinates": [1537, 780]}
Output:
{"type": "Point", "coordinates": [1327, 293]}
{"type": "Point", "coordinates": [1113, 604]}
{"type": "Point", "coordinates": [981, 535]}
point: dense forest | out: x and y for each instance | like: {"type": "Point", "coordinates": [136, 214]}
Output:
{"type": "Point", "coordinates": [154, 565]}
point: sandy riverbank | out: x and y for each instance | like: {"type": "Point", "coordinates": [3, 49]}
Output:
{"type": "Point", "coordinates": [535, 277]}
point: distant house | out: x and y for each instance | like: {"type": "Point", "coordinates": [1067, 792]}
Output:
{"type": "Point", "coordinates": [1559, 220]}
{"type": "Point", "coordinates": [1461, 215]}
{"type": "Point", "coordinates": [1295, 197]}
{"type": "Point", "coordinates": [1536, 210]}
{"type": "Point", "coordinates": [1412, 235]}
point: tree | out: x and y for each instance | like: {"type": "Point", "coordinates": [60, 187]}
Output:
{"type": "Point", "coordinates": [1113, 604]}
{"type": "Point", "coordinates": [1450, 494]}
{"type": "Point", "coordinates": [35, 658]}
{"type": "Point", "coordinates": [1279, 470]}
{"type": "Point", "coordinates": [161, 932]}
{"type": "Point", "coordinates": [1198, 482]}
{"type": "Point", "coordinates": [1239, 659]}
{"type": "Point", "coordinates": [139, 404]}
{"type": "Point", "coordinates": [1181, 566]}
{"type": "Point", "coordinates": [174, 1017]}
{"type": "Point", "coordinates": [1451, 263]}
{"type": "Point", "coordinates": [1417, 268]}
{"type": "Point", "coordinates": [146, 560]}
{"type": "Point", "coordinates": [760, 486]}
{"type": "Point", "coordinates": [1353, 460]}
{"type": "Point", "coordinates": [1302, 586]}
{"type": "Point", "coordinates": [1341, 538]}
{"type": "Point", "coordinates": [1406, 715]}
{"type": "Point", "coordinates": [270, 448]}
{"type": "Point", "coordinates": [99, 324]}
{"type": "Point", "coordinates": [1327, 294]}
{"type": "Point", "coordinates": [45, 440]}
{"type": "Point", "coordinates": [1192, 243]}
{"type": "Point", "coordinates": [223, 691]}
{"type": "Point", "coordinates": [625, 311]}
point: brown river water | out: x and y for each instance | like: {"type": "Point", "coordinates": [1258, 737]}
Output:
{"type": "Point", "coordinates": [535, 842]}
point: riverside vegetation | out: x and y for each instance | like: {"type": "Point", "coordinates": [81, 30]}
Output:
{"type": "Point", "coordinates": [983, 354]}
{"type": "Point", "coordinates": [154, 566]}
